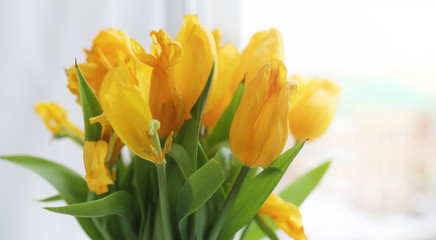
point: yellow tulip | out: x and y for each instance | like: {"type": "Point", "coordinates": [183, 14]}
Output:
{"type": "Point", "coordinates": [262, 48]}
{"type": "Point", "coordinates": [313, 108]}
{"type": "Point", "coordinates": [98, 154]}
{"type": "Point", "coordinates": [56, 120]}
{"type": "Point", "coordinates": [97, 174]}
{"type": "Point", "coordinates": [285, 215]}
{"type": "Point", "coordinates": [198, 55]}
{"type": "Point", "coordinates": [126, 108]}
{"type": "Point", "coordinates": [222, 88]}
{"type": "Point", "coordinates": [260, 127]}
{"type": "Point", "coordinates": [109, 48]}
{"type": "Point", "coordinates": [165, 100]}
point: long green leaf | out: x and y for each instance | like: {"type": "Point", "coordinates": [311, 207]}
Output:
{"type": "Point", "coordinates": [90, 107]}
{"type": "Point", "coordinates": [51, 199]}
{"type": "Point", "coordinates": [221, 131]}
{"type": "Point", "coordinates": [145, 186]}
{"type": "Point", "coordinates": [70, 185]}
{"type": "Point", "coordinates": [189, 133]}
{"type": "Point", "coordinates": [295, 193]}
{"type": "Point", "coordinates": [181, 157]}
{"type": "Point", "coordinates": [254, 192]}
{"type": "Point", "coordinates": [232, 166]}
{"type": "Point", "coordinates": [199, 187]}
{"type": "Point", "coordinates": [119, 202]}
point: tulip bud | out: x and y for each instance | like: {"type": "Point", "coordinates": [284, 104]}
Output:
{"type": "Point", "coordinates": [260, 127]}
{"type": "Point", "coordinates": [313, 108]}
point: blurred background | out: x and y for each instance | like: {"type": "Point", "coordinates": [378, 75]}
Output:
{"type": "Point", "coordinates": [382, 181]}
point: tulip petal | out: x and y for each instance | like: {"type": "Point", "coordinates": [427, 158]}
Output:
{"type": "Point", "coordinates": [222, 88]}
{"type": "Point", "coordinates": [270, 132]}
{"type": "Point", "coordinates": [165, 99]}
{"type": "Point", "coordinates": [97, 175]}
{"type": "Point", "coordinates": [198, 56]}
{"type": "Point", "coordinates": [127, 111]}
{"type": "Point", "coordinates": [262, 48]}
{"type": "Point", "coordinates": [286, 216]}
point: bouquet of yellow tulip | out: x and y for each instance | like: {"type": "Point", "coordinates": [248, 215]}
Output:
{"type": "Point", "coordinates": [205, 127]}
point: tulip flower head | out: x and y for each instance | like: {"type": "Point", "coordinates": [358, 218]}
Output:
{"type": "Point", "coordinates": [56, 120]}
{"type": "Point", "coordinates": [109, 48]}
{"type": "Point", "coordinates": [262, 48]}
{"type": "Point", "coordinates": [127, 110]}
{"type": "Point", "coordinates": [198, 56]}
{"type": "Point", "coordinates": [223, 87]}
{"type": "Point", "coordinates": [165, 100]}
{"type": "Point", "coordinates": [313, 108]}
{"type": "Point", "coordinates": [233, 67]}
{"type": "Point", "coordinates": [98, 154]}
{"type": "Point", "coordinates": [260, 127]}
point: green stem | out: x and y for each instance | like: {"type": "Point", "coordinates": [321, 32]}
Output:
{"type": "Point", "coordinates": [97, 221]}
{"type": "Point", "coordinates": [101, 229]}
{"type": "Point", "coordinates": [111, 146]}
{"type": "Point", "coordinates": [163, 200]}
{"type": "Point", "coordinates": [126, 179]}
{"type": "Point", "coordinates": [126, 226]}
{"type": "Point", "coordinates": [229, 203]}
{"type": "Point", "coordinates": [246, 230]}
{"type": "Point", "coordinates": [265, 227]}
{"type": "Point", "coordinates": [65, 132]}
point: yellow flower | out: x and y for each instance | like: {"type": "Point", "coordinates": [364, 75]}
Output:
{"type": "Point", "coordinates": [109, 48]}
{"type": "Point", "coordinates": [97, 173]}
{"type": "Point", "coordinates": [232, 68]}
{"type": "Point", "coordinates": [260, 127]}
{"type": "Point", "coordinates": [56, 120]}
{"type": "Point", "coordinates": [313, 108]}
{"type": "Point", "coordinates": [98, 154]}
{"type": "Point", "coordinates": [198, 55]}
{"type": "Point", "coordinates": [222, 88]}
{"type": "Point", "coordinates": [262, 48]}
{"type": "Point", "coordinates": [285, 215]}
{"type": "Point", "coordinates": [126, 108]}
{"type": "Point", "coordinates": [165, 100]}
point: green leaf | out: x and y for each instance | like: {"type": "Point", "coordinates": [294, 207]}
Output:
{"type": "Point", "coordinates": [181, 157]}
{"type": "Point", "coordinates": [90, 107]}
{"type": "Point", "coordinates": [70, 185]}
{"type": "Point", "coordinates": [255, 191]}
{"type": "Point", "coordinates": [297, 192]}
{"type": "Point", "coordinates": [231, 165]}
{"type": "Point", "coordinates": [221, 131]}
{"type": "Point", "coordinates": [188, 134]}
{"type": "Point", "coordinates": [119, 202]}
{"type": "Point", "coordinates": [175, 183]}
{"type": "Point", "coordinates": [199, 187]}
{"type": "Point", "coordinates": [201, 156]}
{"type": "Point", "coordinates": [145, 188]}
{"type": "Point", "coordinates": [51, 199]}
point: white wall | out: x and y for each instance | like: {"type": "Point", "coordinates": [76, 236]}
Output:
{"type": "Point", "coordinates": [38, 40]}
